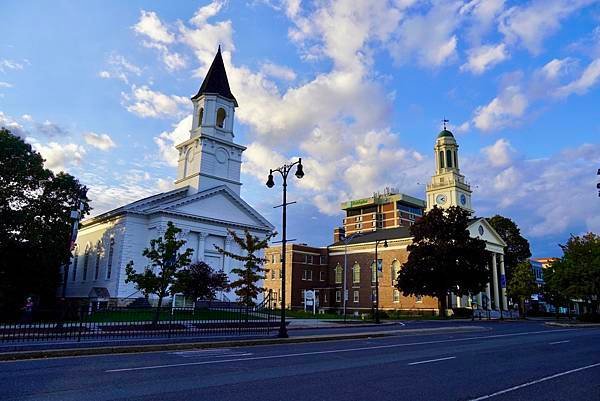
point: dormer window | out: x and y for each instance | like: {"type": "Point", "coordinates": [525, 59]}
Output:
{"type": "Point", "coordinates": [221, 115]}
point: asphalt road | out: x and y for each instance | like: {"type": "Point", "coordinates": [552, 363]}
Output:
{"type": "Point", "coordinates": [505, 361]}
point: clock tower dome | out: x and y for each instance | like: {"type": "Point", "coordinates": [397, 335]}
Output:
{"type": "Point", "coordinates": [448, 186]}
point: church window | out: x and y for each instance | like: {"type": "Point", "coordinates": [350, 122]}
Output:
{"type": "Point", "coordinates": [188, 156]}
{"type": "Point", "coordinates": [200, 116]}
{"type": "Point", "coordinates": [441, 159]}
{"type": "Point", "coordinates": [221, 115]}
{"type": "Point", "coordinates": [97, 267]}
{"type": "Point", "coordinates": [86, 261]}
{"type": "Point", "coordinates": [455, 159]}
{"type": "Point", "coordinates": [75, 261]}
{"type": "Point", "coordinates": [449, 158]}
{"type": "Point", "coordinates": [356, 296]}
{"type": "Point", "coordinates": [395, 271]}
{"type": "Point", "coordinates": [338, 274]}
{"type": "Point", "coordinates": [111, 249]}
{"type": "Point", "coordinates": [396, 296]}
{"type": "Point", "coordinates": [356, 273]}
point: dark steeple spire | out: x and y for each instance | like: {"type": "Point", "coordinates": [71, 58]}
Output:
{"type": "Point", "coordinates": [215, 82]}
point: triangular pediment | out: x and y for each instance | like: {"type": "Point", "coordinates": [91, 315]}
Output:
{"type": "Point", "coordinates": [218, 204]}
{"type": "Point", "coordinates": [481, 228]}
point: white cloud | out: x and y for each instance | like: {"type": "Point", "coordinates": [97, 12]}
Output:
{"type": "Point", "coordinates": [589, 77]}
{"type": "Point", "coordinates": [278, 71]}
{"type": "Point", "coordinates": [146, 103]}
{"type": "Point", "coordinates": [206, 12]}
{"type": "Point", "coordinates": [484, 57]}
{"type": "Point", "coordinates": [5, 85]}
{"type": "Point", "coordinates": [120, 68]}
{"type": "Point", "coordinates": [500, 153]}
{"type": "Point", "coordinates": [12, 125]}
{"type": "Point", "coordinates": [27, 117]}
{"type": "Point", "coordinates": [6, 64]}
{"type": "Point", "coordinates": [59, 156]}
{"type": "Point", "coordinates": [555, 68]}
{"type": "Point", "coordinates": [502, 111]}
{"type": "Point", "coordinates": [151, 26]}
{"type": "Point", "coordinates": [104, 74]}
{"type": "Point", "coordinates": [100, 141]}
{"type": "Point", "coordinates": [167, 140]}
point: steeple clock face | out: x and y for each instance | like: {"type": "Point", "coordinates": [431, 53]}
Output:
{"type": "Point", "coordinates": [463, 199]}
{"type": "Point", "coordinates": [441, 199]}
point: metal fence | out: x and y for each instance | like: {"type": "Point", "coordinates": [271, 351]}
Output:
{"type": "Point", "coordinates": [88, 323]}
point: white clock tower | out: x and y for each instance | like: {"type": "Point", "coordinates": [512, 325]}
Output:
{"type": "Point", "coordinates": [448, 186]}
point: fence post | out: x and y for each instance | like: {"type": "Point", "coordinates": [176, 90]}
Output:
{"type": "Point", "coordinates": [80, 323]}
{"type": "Point", "coordinates": [170, 322]}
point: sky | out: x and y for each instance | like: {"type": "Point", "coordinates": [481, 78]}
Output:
{"type": "Point", "coordinates": [357, 88]}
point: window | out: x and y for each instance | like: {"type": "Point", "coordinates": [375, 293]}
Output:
{"type": "Point", "coordinates": [338, 296]}
{"type": "Point", "coordinates": [98, 253]}
{"type": "Point", "coordinates": [307, 275]}
{"type": "Point", "coordinates": [304, 258]}
{"type": "Point", "coordinates": [221, 115]}
{"type": "Point", "coordinates": [449, 158]}
{"type": "Point", "coordinates": [75, 261]}
{"type": "Point", "coordinates": [396, 296]}
{"type": "Point", "coordinates": [373, 272]}
{"type": "Point", "coordinates": [272, 258]}
{"type": "Point", "coordinates": [200, 116]}
{"type": "Point", "coordinates": [418, 299]}
{"type": "Point", "coordinates": [321, 276]}
{"type": "Point", "coordinates": [356, 273]}
{"type": "Point", "coordinates": [111, 250]}
{"type": "Point", "coordinates": [310, 259]}
{"type": "Point", "coordinates": [86, 261]}
{"type": "Point", "coordinates": [322, 260]}
{"type": "Point", "coordinates": [280, 273]}
{"type": "Point", "coordinates": [338, 274]}
{"type": "Point", "coordinates": [395, 271]}
{"type": "Point", "coordinates": [355, 296]}
{"type": "Point", "coordinates": [302, 295]}
{"type": "Point", "coordinates": [273, 274]}
{"type": "Point", "coordinates": [358, 225]}
{"type": "Point", "coordinates": [441, 159]}
{"type": "Point", "coordinates": [324, 297]}
{"type": "Point", "coordinates": [374, 294]}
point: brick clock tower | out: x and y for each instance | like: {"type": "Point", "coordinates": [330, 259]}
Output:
{"type": "Point", "coordinates": [448, 186]}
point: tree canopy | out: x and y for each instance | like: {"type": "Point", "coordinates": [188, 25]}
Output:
{"type": "Point", "coordinates": [517, 249]}
{"type": "Point", "coordinates": [522, 284]}
{"type": "Point", "coordinates": [251, 273]}
{"type": "Point", "coordinates": [35, 224]}
{"type": "Point", "coordinates": [200, 281]}
{"type": "Point", "coordinates": [443, 257]}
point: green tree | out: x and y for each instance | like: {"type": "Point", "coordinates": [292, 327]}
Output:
{"type": "Point", "coordinates": [522, 285]}
{"type": "Point", "coordinates": [246, 287]}
{"type": "Point", "coordinates": [553, 289]}
{"type": "Point", "coordinates": [165, 262]}
{"type": "Point", "coordinates": [517, 247]}
{"type": "Point", "coordinates": [200, 281]}
{"type": "Point", "coordinates": [35, 224]}
{"type": "Point", "coordinates": [444, 258]}
{"type": "Point", "coordinates": [577, 274]}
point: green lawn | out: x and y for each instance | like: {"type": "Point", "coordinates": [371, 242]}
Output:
{"type": "Point", "coordinates": [141, 315]}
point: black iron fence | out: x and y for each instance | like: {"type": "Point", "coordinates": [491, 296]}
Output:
{"type": "Point", "coordinates": [89, 323]}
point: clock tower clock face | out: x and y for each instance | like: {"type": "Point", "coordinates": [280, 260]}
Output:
{"type": "Point", "coordinates": [463, 199]}
{"type": "Point", "coordinates": [441, 199]}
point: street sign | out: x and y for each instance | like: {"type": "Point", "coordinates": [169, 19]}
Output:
{"type": "Point", "coordinates": [379, 265]}
{"type": "Point", "coordinates": [309, 294]}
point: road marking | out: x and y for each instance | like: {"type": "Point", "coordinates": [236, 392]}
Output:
{"type": "Point", "coordinates": [543, 379]}
{"type": "Point", "coordinates": [432, 360]}
{"type": "Point", "coordinates": [334, 351]}
{"type": "Point", "coordinates": [560, 342]}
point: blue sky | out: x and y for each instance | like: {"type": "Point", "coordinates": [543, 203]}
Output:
{"type": "Point", "coordinates": [357, 88]}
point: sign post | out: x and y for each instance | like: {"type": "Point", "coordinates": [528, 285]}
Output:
{"type": "Point", "coordinates": [309, 300]}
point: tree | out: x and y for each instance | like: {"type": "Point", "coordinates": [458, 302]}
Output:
{"type": "Point", "coordinates": [517, 247]}
{"type": "Point", "coordinates": [165, 262]}
{"type": "Point", "coordinates": [200, 281]}
{"type": "Point", "coordinates": [522, 284]}
{"type": "Point", "coordinates": [577, 274]}
{"type": "Point", "coordinates": [35, 224]}
{"type": "Point", "coordinates": [246, 287]}
{"type": "Point", "coordinates": [444, 258]}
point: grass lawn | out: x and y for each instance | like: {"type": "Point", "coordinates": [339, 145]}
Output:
{"type": "Point", "coordinates": [300, 314]}
{"type": "Point", "coordinates": [141, 315]}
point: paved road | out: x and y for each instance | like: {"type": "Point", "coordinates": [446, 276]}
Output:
{"type": "Point", "coordinates": [506, 361]}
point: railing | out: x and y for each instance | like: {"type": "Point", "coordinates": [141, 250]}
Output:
{"type": "Point", "coordinates": [87, 323]}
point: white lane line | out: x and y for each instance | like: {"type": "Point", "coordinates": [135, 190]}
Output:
{"type": "Point", "coordinates": [334, 351]}
{"type": "Point", "coordinates": [543, 379]}
{"type": "Point", "coordinates": [432, 360]}
{"type": "Point", "coordinates": [560, 342]}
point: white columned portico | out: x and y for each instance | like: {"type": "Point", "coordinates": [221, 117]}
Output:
{"type": "Point", "coordinates": [489, 296]}
{"type": "Point", "coordinates": [503, 282]}
{"type": "Point", "coordinates": [495, 282]}
{"type": "Point", "coordinates": [200, 253]}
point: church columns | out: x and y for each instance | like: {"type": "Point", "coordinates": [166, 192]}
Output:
{"type": "Point", "coordinates": [228, 248]}
{"type": "Point", "coordinates": [503, 282]}
{"type": "Point", "coordinates": [200, 252]}
{"type": "Point", "coordinates": [495, 282]}
{"type": "Point", "coordinates": [489, 296]}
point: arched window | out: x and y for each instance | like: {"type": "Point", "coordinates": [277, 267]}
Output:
{"type": "Point", "coordinates": [75, 261]}
{"type": "Point", "coordinates": [86, 261]}
{"type": "Point", "coordinates": [441, 159]}
{"type": "Point", "coordinates": [111, 249]}
{"type": "Point", "coordinates": [395, 271]}
{"type": "Point", "coordinates": [338, 274]}
{"type": "Point", "coordinates": [373, 272]}
{"type": "Point", "coordinates": [455, 159]}
{"type": "Point", "coordinates": [200, 116]}
{"type": "Point", "coordinates": [98, 254]}
{"type": "Point", "coordinates": [449, 158]}
{"type": "Point", "coordinates": [186, 162]}
{"type": "Point", "coordinates": [356, 273]}
{"type": "Point", "coordinates": [221, 115]}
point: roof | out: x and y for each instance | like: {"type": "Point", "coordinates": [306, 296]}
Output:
{"type": "Point", "coordinates": [379, 235]}
{"type": "Point", "coordinates": [215, 82]}
{"type": "Point", "coordinates": [445, 133]}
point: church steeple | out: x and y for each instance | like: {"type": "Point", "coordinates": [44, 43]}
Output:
{"type": "Point", "coordinates": [210, 158]}
{"type": "Point", "coordinates": [448, 186]}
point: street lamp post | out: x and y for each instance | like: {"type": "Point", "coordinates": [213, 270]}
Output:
{"type": "Point", "coordinates": [75, 217]}
{"type": "Point", "coordinates": [346, 240]}
{"type": "Point", "coordinates": [284, 171]}
{"type": "Point", "coordinates": [385, 245]}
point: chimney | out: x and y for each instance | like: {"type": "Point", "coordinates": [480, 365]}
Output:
{"type": "Point", "coordinates": [339, 234]}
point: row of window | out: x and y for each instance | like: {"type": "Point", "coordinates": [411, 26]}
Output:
{"type": "Point", "coordinates": [339, 272]}
{"type": "Point", "coordinates": [304, 258]}
{"type": "Point", "coordinates": [86, 261]}
{"type": "Point", "coordinates": [356, 296]}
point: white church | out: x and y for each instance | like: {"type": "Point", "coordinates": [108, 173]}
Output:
{"type": "Point", "coordinates": [205, 203]}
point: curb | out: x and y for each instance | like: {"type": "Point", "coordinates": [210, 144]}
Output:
{"type": "Point", "coordinates": [343, 326]}
{"type": "Point", "coordinates": [583, 325]}
{"type": "Point", "coordinates": [72, 352]}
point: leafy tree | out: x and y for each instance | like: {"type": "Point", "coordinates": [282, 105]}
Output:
{"type": "Point", "coordinates": [35, 224]}
{"type": "Point", "coordinates": [553, 288]}
{"type": "Point", "coordinates": [517, 250]}
{"type": "Point", "coordinates": [165, 262]}
{"type": "Point", "coordinates": [444, 258]}
{"type": "Point", "coordinates": [200, 281]}
{"type": "Point", "coordinates": [251, 273]}
{"type": "Point", "coordinates": [577, 274]}
{"type": "Point", "coordinates": [522, 284]}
